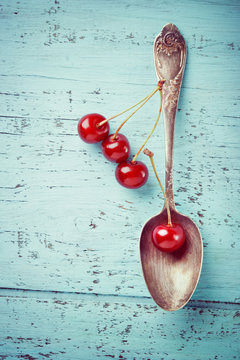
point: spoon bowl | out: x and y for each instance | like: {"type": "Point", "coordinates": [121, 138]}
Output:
{"type": "Point", "coordinates": [171, 278]}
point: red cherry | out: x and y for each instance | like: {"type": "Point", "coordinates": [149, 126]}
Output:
{"type": "Point", "coordinates": [117, 149]}
{"type": "Point", "coordinates": [131, 175]}
{"type": "Point", "coordinates": [89, 131]}
{"type": "Point", "coordinates": [168, 238]}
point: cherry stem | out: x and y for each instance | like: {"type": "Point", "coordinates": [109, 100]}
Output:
{"type": "Point", "coordinates": [124, 111]}
{"type": "Point", "coordinates": [154, 127]}
{"type": "Point", "coordinates": [150, 155]}
{"type": "Point", "coordinates": [144, 102]}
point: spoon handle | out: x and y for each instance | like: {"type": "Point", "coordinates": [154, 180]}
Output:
{"type": "Point", "coordinates": [170, 57]}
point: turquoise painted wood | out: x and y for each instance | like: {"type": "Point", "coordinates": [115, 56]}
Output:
{"type": "Point", "coordinates": [48, 325]}
{"type": "Point", "coordinates": [67, 226]}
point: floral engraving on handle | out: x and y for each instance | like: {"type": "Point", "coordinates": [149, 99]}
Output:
{"type": "Point", "coordinates": [170, 43]}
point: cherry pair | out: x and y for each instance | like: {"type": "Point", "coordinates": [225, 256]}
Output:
{"type": "Point", "coordinates": [131, 174]}
{"type": "Point", "coordinates": [115, 148]}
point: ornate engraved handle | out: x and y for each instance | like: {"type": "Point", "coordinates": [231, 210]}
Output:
{"type": "Point", "coordinates": [170, 56]}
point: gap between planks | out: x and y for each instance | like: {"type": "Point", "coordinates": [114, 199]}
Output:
{"type": "Point", "coordinates": [52, 294]}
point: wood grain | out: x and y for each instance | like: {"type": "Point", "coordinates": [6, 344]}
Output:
{"type": "Point", "coordinates": [93, 327]}
{"type": "Point", "coordinates": [49, 174]}
{"type": "Point", "coordinates": [65, 223]}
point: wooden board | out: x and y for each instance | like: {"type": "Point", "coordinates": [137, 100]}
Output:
{"type": "Point", "coordinates": [55, 326]}
{"type": "Point", "coordinates": [65, 224]}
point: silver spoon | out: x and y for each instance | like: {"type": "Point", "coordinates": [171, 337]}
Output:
{"type": "Point", "coordinates": [171, 278]}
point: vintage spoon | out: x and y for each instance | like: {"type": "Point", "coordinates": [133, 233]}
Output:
{"type": "Point", "coordinates": [171, 278]}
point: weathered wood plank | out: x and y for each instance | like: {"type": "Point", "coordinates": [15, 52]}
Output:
{"type": "Point", "coordinates": [62, 326]}
{"type": "Point", "coordinates": [65, 223]}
